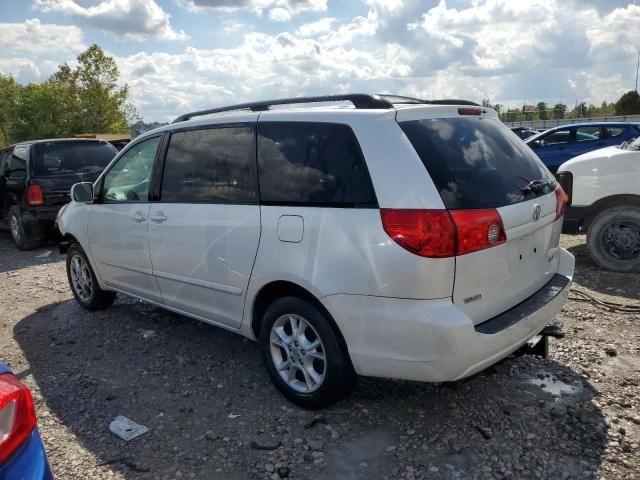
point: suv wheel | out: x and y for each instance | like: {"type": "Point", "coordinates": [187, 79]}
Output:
{"type": "Point", "coordinates": [83, 281]}
{"type": "Point", "coordinates": [613, 239]}
{"type": "Point", "coordinates": [304, 354]}
{"type": "Point", "coordinates": [18, 233]}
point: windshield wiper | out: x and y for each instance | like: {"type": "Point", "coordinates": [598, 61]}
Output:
{"type": "Point", "coordinates": [536, 185]}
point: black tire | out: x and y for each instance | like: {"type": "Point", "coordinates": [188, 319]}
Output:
{"type": "Point", "coordinates": [96, 299]}
{"type": "Point", "coordinates": [339, 376]}
{"type": "Point", "coordinates": [613, 239]}
{"type": "Point", "coordinates": [24, 240]}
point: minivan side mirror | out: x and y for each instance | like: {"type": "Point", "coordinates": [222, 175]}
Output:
{"type": "Point", "coordinates": [82, 192]}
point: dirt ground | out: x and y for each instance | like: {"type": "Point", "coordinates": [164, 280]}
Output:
{"type": "Point", "coordinates": [212, 412]}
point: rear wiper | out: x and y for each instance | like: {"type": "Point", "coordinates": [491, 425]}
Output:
{"type": "Point", "coordinates": [535, 185]}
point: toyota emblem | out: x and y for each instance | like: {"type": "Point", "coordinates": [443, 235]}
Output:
{"type": "Point", "coordinates": [537, 211]}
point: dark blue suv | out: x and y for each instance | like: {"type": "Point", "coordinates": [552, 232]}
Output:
{"type": "Point", "coordinates": [559, 144]}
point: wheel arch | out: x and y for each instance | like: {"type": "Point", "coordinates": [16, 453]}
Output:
{"type": "Point", "coordinates": [284, 288]}
{"type": "Point", "coordinates": [608, 202]}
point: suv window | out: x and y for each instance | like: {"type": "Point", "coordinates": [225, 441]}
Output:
{"type": "Point", "coordinates": [17, 164]}
{"type": "Point", "coordinates": [309, 163]}
{"type": "Point", "coordinates": [584, 134]}
{"type": "Point", "coordinates": [57, 158]}
{"type": "Point", "coordinates": [475, 162]}
{"type": "Point", "coordinates": [4, 157]}
{"type": "Point", "coordinates": [215, 165]}
{"type": "Point", "coordinates": [613, 131]}
{"type": "Point", "coordinates": [557, 137]}
{"type": "Point", "coordinates": [128, 180]}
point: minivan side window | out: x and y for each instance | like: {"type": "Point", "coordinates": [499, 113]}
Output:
{"type": "Point", "coordinates": [129, 179]}
{"type": "Point", "coordinates": [211, 165]}
{"type": "Point", "coordinates": [315, 164]}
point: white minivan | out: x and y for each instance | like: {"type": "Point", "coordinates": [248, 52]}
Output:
{"type": "Point", "coordinates": [389, 237]}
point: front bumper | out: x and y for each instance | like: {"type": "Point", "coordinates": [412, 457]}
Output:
{"type": "Point", "coordinates": [29, 462]}
{"type": "Point", "coordinates": [573, 220]}
{"type": "Point", "coordinates": [434, 341]}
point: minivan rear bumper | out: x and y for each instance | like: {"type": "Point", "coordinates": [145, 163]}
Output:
{"type": "Point", "coordinates": [434, 341]}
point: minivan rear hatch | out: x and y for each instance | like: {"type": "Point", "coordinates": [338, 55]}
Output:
{"type": "Point", "coordinates": [477, 164]}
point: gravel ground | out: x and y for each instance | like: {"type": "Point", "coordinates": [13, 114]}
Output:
{"type": "Point", "coordinates": [212, 413]}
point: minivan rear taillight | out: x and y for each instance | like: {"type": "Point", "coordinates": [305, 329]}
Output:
{"type": "Point", "coordinates": [35, 196]}
{"type": "Point", "coordinates": [17, 415]}
{"type": "Point", "coordinates": [428, 233]}
{"type": "Point", "coordinates": [477, 230]}
{"type": "Point", "coordinates": [443, 233]}
{"type": "Point", "coordinates": [561, 201]}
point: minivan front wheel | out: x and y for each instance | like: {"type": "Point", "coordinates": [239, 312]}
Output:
{"type": "Point", "coordinates": [83, 282]}
{"type": "Point", "coordinates": [304, 355]}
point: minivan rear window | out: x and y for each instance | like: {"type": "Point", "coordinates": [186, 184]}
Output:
{"type": "Point", "coordinates": [476, 162]}
{"type": "Point", "coordinates": [59, 158]}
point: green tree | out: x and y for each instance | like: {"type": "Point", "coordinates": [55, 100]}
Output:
{"type": "Point", "coordinates": [559, 111]}
{"type": "Point", "coordinates": [42, 112]}
{"type": "Point", "coordinates": [98, 102]}
{"type": "Point", "coordinates": [542, 111]}
{"type": "Point", "coordinates": [9, 100]}
{"type": "Point", "coordinates": [628, 104]}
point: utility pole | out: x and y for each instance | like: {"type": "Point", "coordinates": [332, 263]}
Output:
{"type": "Point", "coordinates": [637, 68]}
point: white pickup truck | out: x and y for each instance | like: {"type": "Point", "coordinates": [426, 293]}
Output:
{"type": "Point", "coordinates": [603, 191]}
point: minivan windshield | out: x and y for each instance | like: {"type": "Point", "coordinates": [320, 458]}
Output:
{"type": "Point", "coordinates": [477, 162]}
{"type": "Point", "coordinates": [59, 158]}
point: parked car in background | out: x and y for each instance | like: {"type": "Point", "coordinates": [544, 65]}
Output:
{"type": "Point", "coordinates": [22, 455]}
{"type": "Point", "coordinates": [559, 144]}
{"type": "Point", "coordinates": [524, 132]}
{"type": "Point", "coordinates": [603, 190]}
{"type": "Point", "coordinates": [400, 238]}
{"type": "Point", "coordinates": [35, 178]}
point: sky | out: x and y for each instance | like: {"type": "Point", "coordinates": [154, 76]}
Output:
{"type": "Point", "coordinates": [182, 55]}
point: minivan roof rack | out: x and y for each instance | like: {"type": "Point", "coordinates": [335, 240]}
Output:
{"type": "Point", "coordinates": [359, 101]}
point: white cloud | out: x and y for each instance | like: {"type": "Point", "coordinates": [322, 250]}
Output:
{"type": "Point", "coordinates": [315, 28]}
{"type": "Point", "coordinates": [22, 70]}
{"type": "Point", "coordinates": [279, 14]}
{"type": "Point", "coordinates": [33, 37]}
{"type": "Point", "coordinates": [278, 9]}
{"type": "Point", "coordinates": [503, 50]}
{"type": "Point", "coordinates": [29, 50]}
{"type": "Point", "coordinates": [133, 20]}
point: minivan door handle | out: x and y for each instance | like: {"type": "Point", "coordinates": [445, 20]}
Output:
{"type": "Point", "coordinates": [138, 217]}
{"type": "Point", "coordinates": [159, 217]}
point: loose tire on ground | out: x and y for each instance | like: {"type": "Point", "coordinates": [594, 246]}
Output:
{"type": "Point", "coordinates": [613, 239]}
{"type": "Point", "coordinates": [83, 283]}
{"type": "Point", "coordinates": [329, 375]}
{"type": "Point", "coordinates": [19, 234]}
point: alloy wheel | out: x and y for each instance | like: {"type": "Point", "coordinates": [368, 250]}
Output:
{"type": "Point", "coordinates": [81, 278]}
{"type": "Point", "coordinates": [15, 228]}
{"type": "Point", "coordinates": [297, 353]}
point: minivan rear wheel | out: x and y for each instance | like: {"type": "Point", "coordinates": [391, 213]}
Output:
{"type": "Point", "coordinates": [613, 239]}
{"type": "Point", "coordinates": [304, 355]}
{"type": "Point", "coordinates": [83, 282]}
